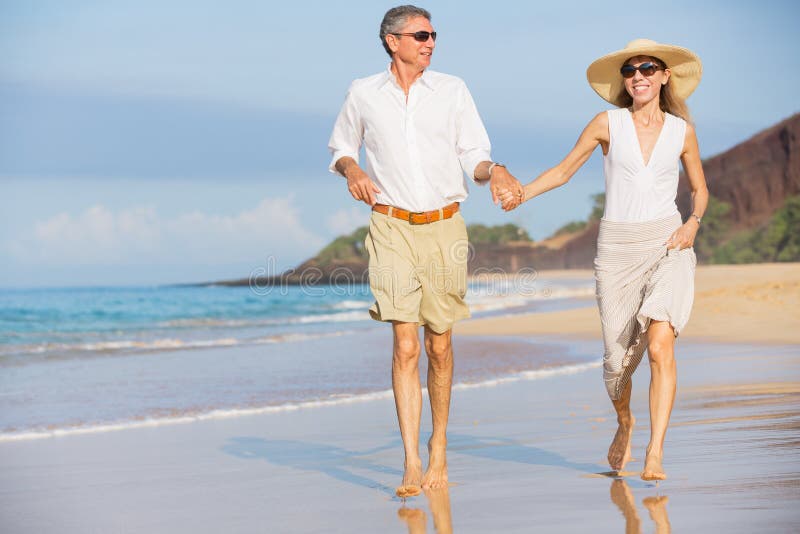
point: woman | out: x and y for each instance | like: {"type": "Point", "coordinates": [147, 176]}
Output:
{"type": "Point", "coordinates": [645, 263]}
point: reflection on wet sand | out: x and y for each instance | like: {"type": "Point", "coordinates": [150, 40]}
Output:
{"type": "Point", "coordinates": [414, 518]}
{"type": "Point", "coordinates": [657, 506]}
{"type": "Point", "coordinates": [336, 462]}
{"type": "Point", "coordinates": [622, 496]}
{"type": "Point", "coordinates": [439, 505]}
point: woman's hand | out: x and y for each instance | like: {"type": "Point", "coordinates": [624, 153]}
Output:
{"type": "Point", "coordinates": [684, 236]}
{"type": "Point", "coordinates": [509, 199]}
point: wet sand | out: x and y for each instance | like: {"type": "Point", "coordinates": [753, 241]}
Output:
{"type": "Point", "coordinates": [524, 456]}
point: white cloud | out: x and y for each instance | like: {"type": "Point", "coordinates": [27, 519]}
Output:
{"type": "Point", "coordinates": [140, 235]}
{"type": "Point", "coordinates": [345, 221]}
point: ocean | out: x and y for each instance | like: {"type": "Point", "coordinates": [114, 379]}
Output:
{"type": "Point", "coordinates": [77, 360]}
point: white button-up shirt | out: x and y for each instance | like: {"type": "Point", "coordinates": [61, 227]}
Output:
{"type": "Point", "coordinates": [417, 151]}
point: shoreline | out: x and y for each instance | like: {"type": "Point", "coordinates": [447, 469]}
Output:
{"type": "Point", "coordinates": [221, 414]}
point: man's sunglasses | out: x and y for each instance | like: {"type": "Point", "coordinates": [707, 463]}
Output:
{"type": "Point", "coordinates": [422, 37]}
{"type": "Point", "coordinates": [647, 69]}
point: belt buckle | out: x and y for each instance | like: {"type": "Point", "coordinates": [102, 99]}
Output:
{"type": "Point", "coordinates": [426, 214]}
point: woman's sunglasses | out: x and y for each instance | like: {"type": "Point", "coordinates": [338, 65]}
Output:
{"type": "Point", "coordinates": [647, 69]}
{"type": "Point", "coordinates": [422, 37]}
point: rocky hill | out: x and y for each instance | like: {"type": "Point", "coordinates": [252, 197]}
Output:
{"type": "Point", "coordinates": [753, 215]}
{"type": "Point", "coordinates": [755, 177]}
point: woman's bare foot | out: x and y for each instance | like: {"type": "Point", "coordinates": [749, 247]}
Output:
{"type": "Point", "coordinates": [412, 479]}
{"type": "Point", "coordinates": [436, 475]}
{"type": "Point", "coordinates": [619, 453]}
{"type": "Point", "coordinates": [652, 467]}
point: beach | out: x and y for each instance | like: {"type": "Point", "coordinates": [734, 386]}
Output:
{"type": "Point", "coordinates": [529, 429]}
{"type": "Point", "coordinates": [740, 303]}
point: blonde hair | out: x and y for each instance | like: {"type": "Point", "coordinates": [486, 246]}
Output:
{"type": "Point", "coordinates": [668, 101]}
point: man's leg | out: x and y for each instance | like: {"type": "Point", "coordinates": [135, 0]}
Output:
{"type": "Point", "coordinates": [408, 401]}
{"type": "Point", "coordinates": [619, 453]}
{"type": "Point", "coordinates": [440, 380]}
{"type": "Point", "coordinates": [663, 380]}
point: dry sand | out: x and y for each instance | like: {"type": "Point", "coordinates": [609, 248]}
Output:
{"type": "Point", "coordinates": [733, 303]}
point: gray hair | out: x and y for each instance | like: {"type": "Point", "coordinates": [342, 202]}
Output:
{"type": "Point", "coordinates": [397, 17]}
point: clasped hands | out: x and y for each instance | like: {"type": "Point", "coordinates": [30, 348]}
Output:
{"type": "Point", "coordinates": [506, 189]}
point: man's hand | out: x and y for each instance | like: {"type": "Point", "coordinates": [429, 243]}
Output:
{"type": "Point", "coordinates": [358, 183]}
{"type": "Point", "coordinates": [502, 180]}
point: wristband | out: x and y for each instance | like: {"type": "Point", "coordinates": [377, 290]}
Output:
{"type": "Point", "coordinates": [492, 165]}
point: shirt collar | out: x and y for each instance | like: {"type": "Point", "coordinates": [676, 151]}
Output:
{"type": "Point", "coordinates": [426, 79]}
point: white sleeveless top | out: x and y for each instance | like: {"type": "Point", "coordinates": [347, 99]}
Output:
{"type": "Point", "coordinates": [636, 192]}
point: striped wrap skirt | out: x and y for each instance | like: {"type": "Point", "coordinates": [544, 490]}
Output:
{"type": "Point", "coordinates": [639, 280]}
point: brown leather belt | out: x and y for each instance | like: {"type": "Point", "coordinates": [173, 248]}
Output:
{"type": "Point", "coordinates": [418, 217]}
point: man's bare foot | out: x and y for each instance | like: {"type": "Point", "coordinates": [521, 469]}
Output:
{"type": "Point", "coordinates": [436, 475]}
{"type": "Point", "coordinates": [652, 468]}
{"type": "Point", "coordinates": [412, 479]}
{"type": "Point", "coordinates": [619, 453]}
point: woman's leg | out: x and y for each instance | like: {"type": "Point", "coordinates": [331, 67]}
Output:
{"type": "Point", "coordinates": [663, 380]}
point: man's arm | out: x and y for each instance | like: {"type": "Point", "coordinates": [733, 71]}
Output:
{"type": "Point", "coordinates": [358, 183]}
{"type": "Point", "coordinates": [344, 144]}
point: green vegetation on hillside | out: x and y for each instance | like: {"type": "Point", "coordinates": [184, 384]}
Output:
{"type": "Point", "coordinates": [715, 229]}
{"type": "Point", "coordinates": [570, 228]}
{"type": "Point", "coordinates": [345, 248]}
{"type": "Point", "coordinates": [718, 242]}
{"type": "Point", "coordinates": [778, 240]}
{"type": "Point", "coordinates": [504, 233]}
{"type": "Point", "coordinates": [351, 247]}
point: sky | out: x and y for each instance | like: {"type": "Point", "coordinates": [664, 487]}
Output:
{"type": "Point", "coordinates": [149, 142]}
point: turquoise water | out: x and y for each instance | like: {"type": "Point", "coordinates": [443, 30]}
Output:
{"type": "Point", "coordinates": [86, 320]}
{"type": "Point", "coordinates": [94, 359]}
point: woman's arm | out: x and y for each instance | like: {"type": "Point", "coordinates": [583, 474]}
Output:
{"type": "Point", "coordinates": [684, 236]}
{"type": "Point", "coordinates": [595, 133]}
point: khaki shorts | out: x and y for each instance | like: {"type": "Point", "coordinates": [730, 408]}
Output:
{"type": "Point", "coordinates": [418, 273]}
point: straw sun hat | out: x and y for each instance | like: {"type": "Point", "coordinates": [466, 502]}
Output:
{"type": "Point", "coordinates": [604, 76]}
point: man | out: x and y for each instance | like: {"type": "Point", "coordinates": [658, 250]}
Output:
{"type": "Point", "coordinates": [421, 133]}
